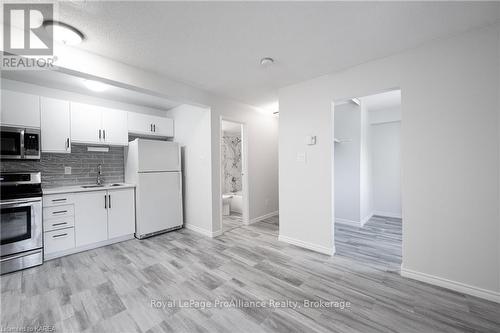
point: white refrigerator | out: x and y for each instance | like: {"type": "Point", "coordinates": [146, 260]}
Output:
{"type": "Point", "coordinates": [155, 168]}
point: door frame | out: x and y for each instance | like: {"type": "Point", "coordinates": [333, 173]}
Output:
{"type": "Point", "coordinates": [244, 170]}
{"type": "Point", "coordinates": [333, 102]}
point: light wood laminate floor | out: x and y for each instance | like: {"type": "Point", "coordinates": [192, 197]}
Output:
{"type": "Point", "coordinates": [232, 221]}
{"type": "Point", "coordinates": [111, 290]}
{"type": "Point", "coordinates": [377, 243]}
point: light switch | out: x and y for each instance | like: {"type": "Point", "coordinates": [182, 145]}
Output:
{"type": "Point", "coordinates": [311, 140]}
{"type": "Point", "coordinates": [67, 170]}
{"type": "Point", "coordinates": [301, 157]}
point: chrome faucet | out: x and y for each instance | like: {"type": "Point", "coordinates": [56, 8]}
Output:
{"type": "Point", "coordinates": [99, 175]}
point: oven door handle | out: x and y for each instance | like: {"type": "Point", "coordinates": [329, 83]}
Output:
{"type": "Point", "coordinates": [18, 203]}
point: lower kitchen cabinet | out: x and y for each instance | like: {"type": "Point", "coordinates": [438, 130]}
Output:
{"type": "Point", "coordinates": [91, 217]}
{"type": "Point", "coordinates": [59, 240]}
{"type": "Point", "coordinates": [79, 221]}
{"type": "Point", "coordinates": [121, 213]}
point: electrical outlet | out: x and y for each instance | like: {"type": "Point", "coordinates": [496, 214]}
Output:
{"type": "Point", "coordinates": [67, 170]}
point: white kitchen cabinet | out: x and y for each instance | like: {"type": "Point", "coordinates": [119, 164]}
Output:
{"type": "Point", "coordinates": [20, 109]}
{"type": "Point", "coordinates": [86, 123]}
{"type": "Point", "coordinates": [58, 240]}
{"type": "Point", "coordinates": [121, 212]}
{"type": "Point", "coordinates": [78, 221]}
{"type": "Point", "coordinates": [142, 124]}
{"type": "Point", "coordinates": [114, 125]}
{"type": "Point", "coordinates": [98, 125]}
{"type": "Point", "coordinates": [91, 217]}
{"type": "Point", "coordinates": [55, 125]}
{"type": "Point", "coordinates": [163, 126]}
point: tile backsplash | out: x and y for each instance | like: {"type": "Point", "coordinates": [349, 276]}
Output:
{"type": "Point", "coordinates": [82, 162]}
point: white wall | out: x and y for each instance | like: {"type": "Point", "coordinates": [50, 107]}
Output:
{"type": "Point", "coordinates": [384, 115]}
{"type": "Point", "coordinates": [365, 169]}
{"type": "Point", "coordinates": [262, 155]}
{"type": "Point", "coordinates": [192, 131]}
{"type": "Point", "coordinates": [347, 123]}
{"type": "Point", "coordinates": [386, 168]}
{"type": "Point", "coordinates": [450, 167]}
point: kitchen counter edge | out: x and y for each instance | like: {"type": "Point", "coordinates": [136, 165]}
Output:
{"type": "Point", "coordinates": [77, 189]}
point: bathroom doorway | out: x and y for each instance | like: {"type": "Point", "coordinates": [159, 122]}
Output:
{"type": "Point", "coordinates": [367, 179]}
{"type": "Point", "coordinates": [234, 177]}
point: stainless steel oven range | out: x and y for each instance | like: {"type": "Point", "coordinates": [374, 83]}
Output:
{"type": "Point", "coordinates": [21, 221]}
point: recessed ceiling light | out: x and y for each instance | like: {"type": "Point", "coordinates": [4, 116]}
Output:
{"type": "Point", "coordinates": [95, 85]}
{"type": "Point", "coordinates": [64, 33]}
{"type": "Point", "coordinates": [266, 61]}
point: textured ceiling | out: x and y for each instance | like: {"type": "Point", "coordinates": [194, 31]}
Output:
{"type": "Point", "coordinates": [217, 46]}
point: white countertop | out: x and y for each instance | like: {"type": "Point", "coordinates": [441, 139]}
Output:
{"type": "Point", "coordinates": [79, 188]}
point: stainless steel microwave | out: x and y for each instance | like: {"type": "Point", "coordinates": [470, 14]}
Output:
{"type": "Point", "coordinates": [19, 143]}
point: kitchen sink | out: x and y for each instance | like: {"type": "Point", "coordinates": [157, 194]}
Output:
{"type": "Point", "coordinates": [92, 186]}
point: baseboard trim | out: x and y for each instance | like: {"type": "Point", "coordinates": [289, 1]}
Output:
{"type": "Point", "coordinates": [366, 219]}
{"type": "Point", "coordinates": [263, 217]}
{"type": "Point", "coordinates": [387, 214]}
{"type": "Point", "coordinates": [306, 245]}
{"type": "Point", "coordinates": [348, 222]}
{"type": "Point", "coordinates": [452, 285]}
{"type": "Point", "coordinates": [204, 232]}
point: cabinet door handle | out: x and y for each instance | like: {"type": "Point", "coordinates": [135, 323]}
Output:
{"type": "Point", "coordinates": [67, 143]}
{"type": "Point", "coordinates": [61, 223]}
{"type": "Point", "coordinates": [99, 134]}
{"type": "Point", "coordinates": [105, 202]}
{"type": "Point", "coordinates": [109, 200]}
{"type": "Point", "coordinates": [58, 200]}
{"type": "Point", "coordinates": [60, 235]}
{"type": "Point", "coordinates": [104, 134]}
{"type": "Point", "coordinates": [154, 127]}
{"type": "Point", "coordinates": [151, 127]}
{"type": "Point", "coordinates": [59, 212]}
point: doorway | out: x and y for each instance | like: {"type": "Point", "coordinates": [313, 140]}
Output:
{"type": "Point", "coordinates": [367, 179]}
{"type": "Point", "coordinates": [234, 175]}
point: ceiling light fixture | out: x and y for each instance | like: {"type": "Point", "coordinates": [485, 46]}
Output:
{"type": "Point", "coordinates": [95, 85]}
{"type": "Point", "coordinates": [64, 33]}
{"type": "Point", "coordinates": [266, 61]}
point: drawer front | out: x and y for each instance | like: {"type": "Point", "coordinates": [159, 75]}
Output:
{"type": "Point", "coordinates": [58, 212]}
{"type": "Point", "coordinates": [57, 199]}
{"type": "Point", "coordinates": [59, 223]}
{"type": "Point", "coordinates": [59, 240]}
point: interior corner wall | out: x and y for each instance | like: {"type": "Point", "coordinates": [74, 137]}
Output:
{"type": "Point", "coordinates": [347, 125]}
{"type": "Point", "coordinates": [192, 132]}
{"type": "Point", "coordinates": [365, 169]}
{"type": "Point", "coordinates": [262, 158]}
{"type": "Point", "coordinates": [450, 156]}
{"type": "Point", "coordinates": [385, 139]}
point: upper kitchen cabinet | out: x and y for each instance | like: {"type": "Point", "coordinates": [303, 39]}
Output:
{"type": "Point", "coordinates": [55, 125]}
{"type": "Point", "coordinates": [114, 124]}
{"type": "Point", "coordinates": [86, 123]}
{"type": "Point", "coordinates": [98, 125]}
{"type": "Point", "coordinates": [20, 109]}
{"type": "Point", "coordinates": [142, 124]}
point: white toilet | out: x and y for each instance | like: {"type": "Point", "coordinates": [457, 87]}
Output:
{"type": "Point", "coordinates": [226, 204]}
